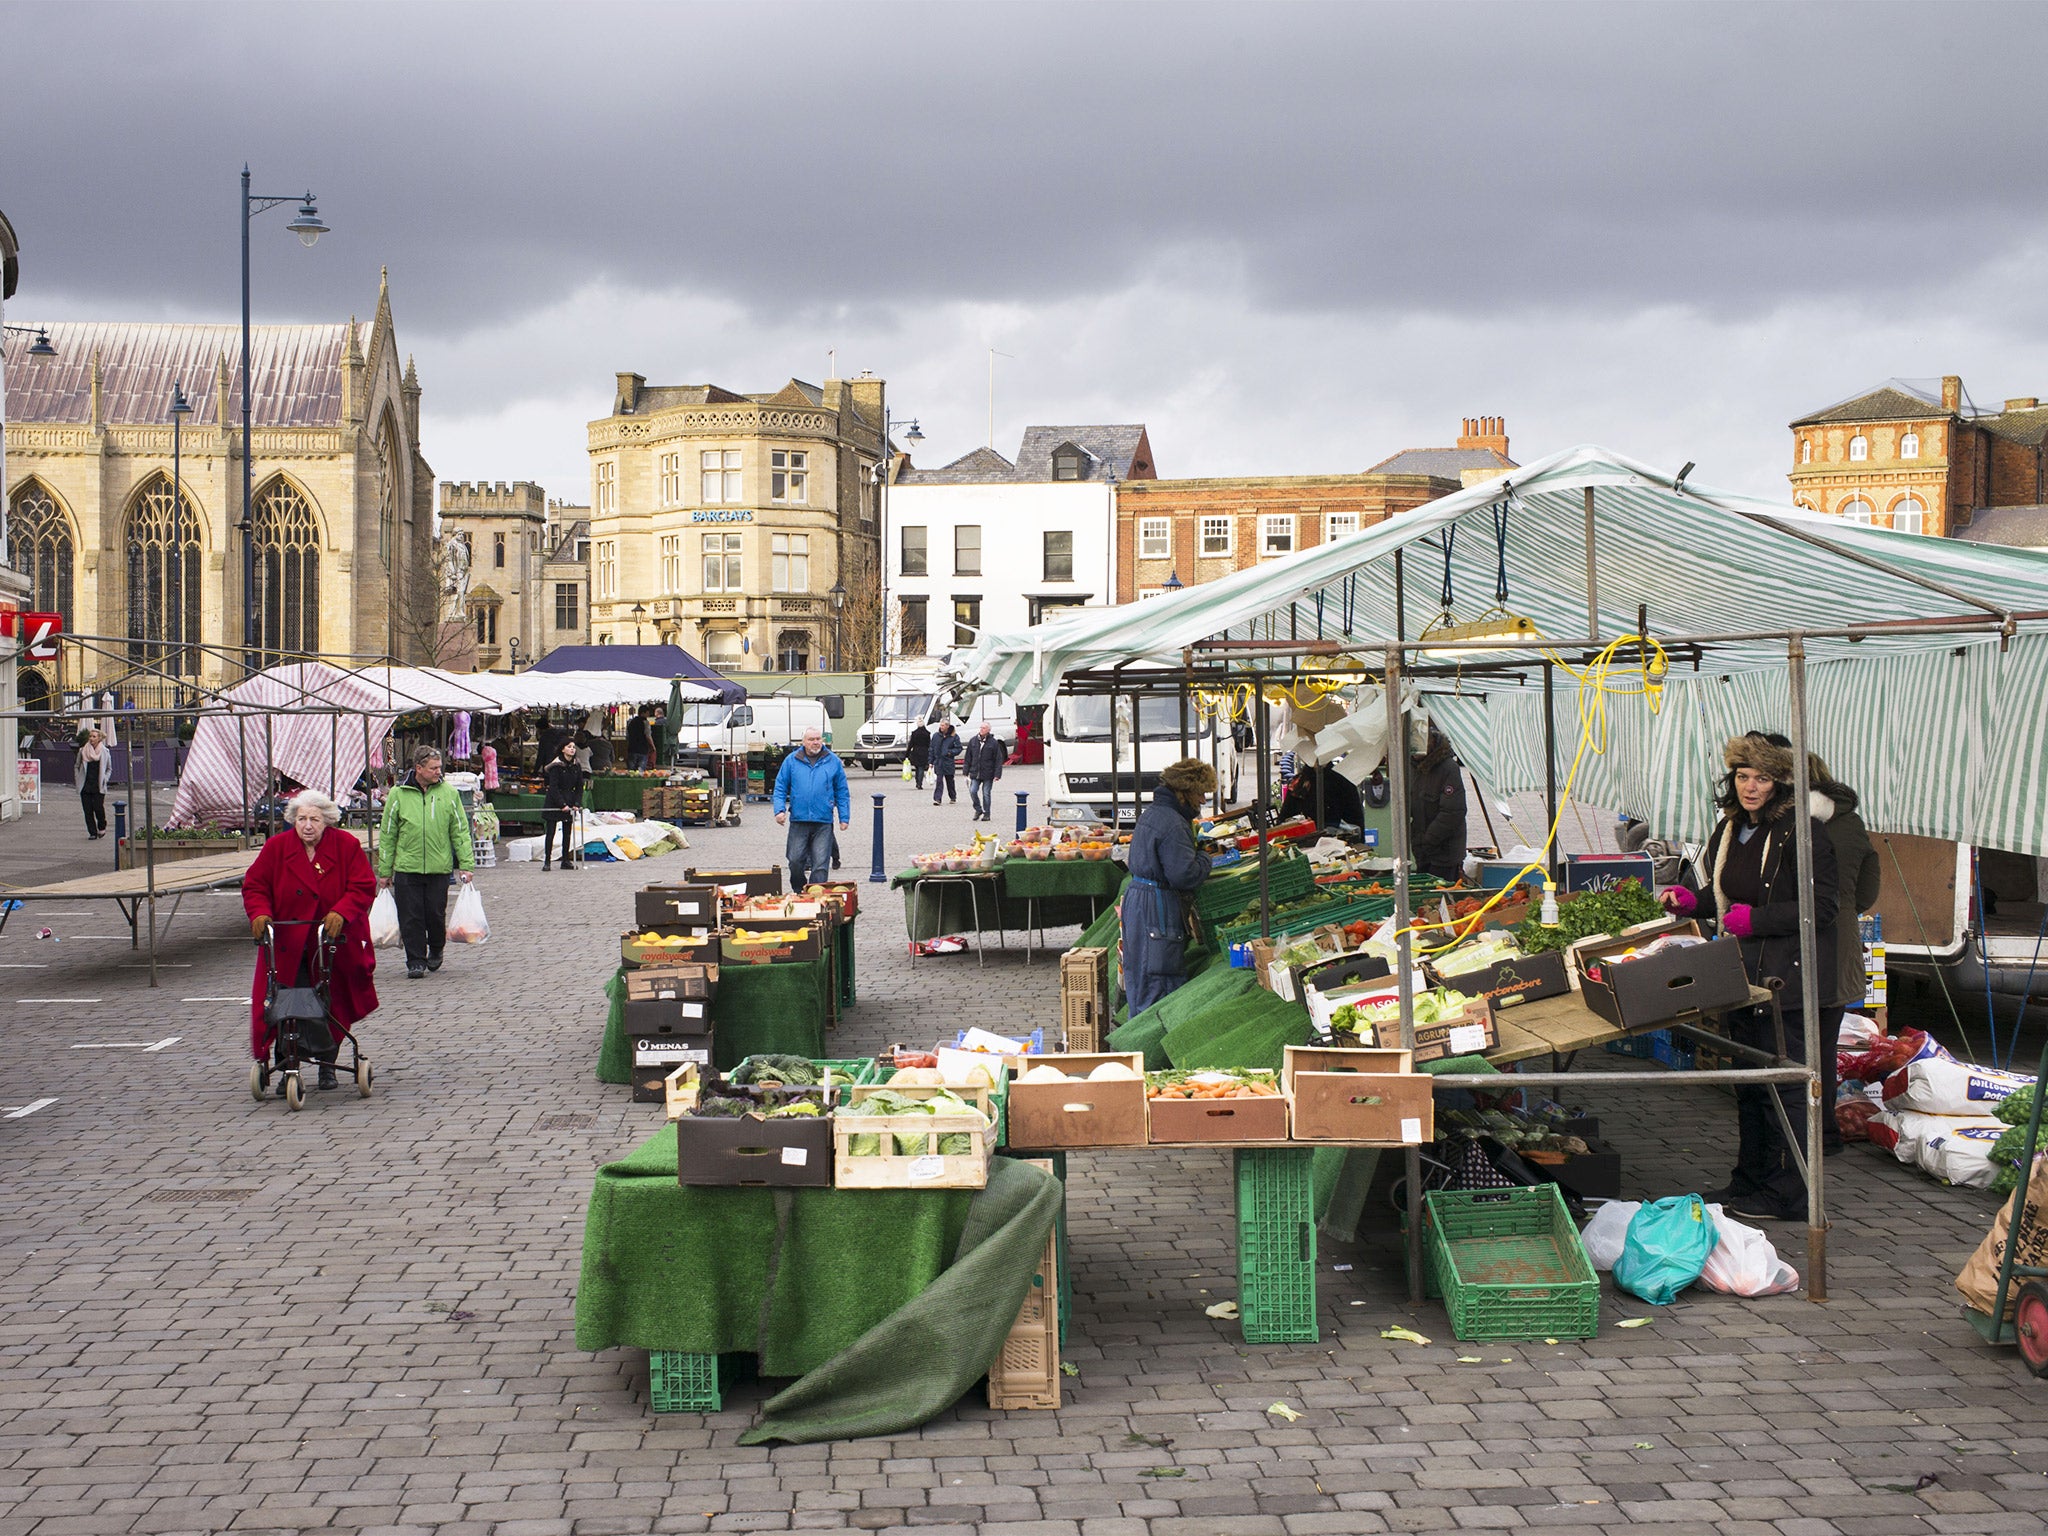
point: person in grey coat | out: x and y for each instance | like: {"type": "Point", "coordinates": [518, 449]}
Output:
{"type": "Point", "coordinates": [984, 765]}
{"type": "Point", "coordinates": [945, 758]}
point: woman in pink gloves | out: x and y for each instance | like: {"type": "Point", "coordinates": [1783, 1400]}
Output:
{"type": "Point", "coordinates": [1752, 894]}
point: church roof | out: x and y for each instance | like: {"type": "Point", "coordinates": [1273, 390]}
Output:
{"type": "Point", "coordinates": [295, 373]}
{"type": "Point", "coordinates": [1441, 463]}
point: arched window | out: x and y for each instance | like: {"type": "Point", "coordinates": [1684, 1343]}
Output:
{"type": "Point", "coordinates": [163, 578]}
{"type": "Point", "coordinates": [1856, 510]}
{"type": "Point", "coordinates": [1859, 447]}
{"type": "Point", "coordinates": [1909, 514]}
{"type": "Point", "coordinates": [1909, 445]}
{"type": "Point", "coordinates": [793, 650]}
{"type": "Point", "coordinates": [287, 574]}
{"type": "Point", "coordinates": [41, 548]}
{"type": "Point", "coordinates": [33, 686]}
{"type": "Point", "coordinates": [1806, 450]}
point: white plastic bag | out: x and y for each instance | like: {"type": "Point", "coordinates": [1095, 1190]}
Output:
{"type": "Point", "coordinates": [384, 919]}
{"type": "Point", "coordinates": [1744, 1263]}
{"type": "Point", "coordinates": [1603, 1235]}
{"type": "Point", "coordinates": [467, 924]}
{"type": "Point", "coordinates": [1942, 1086]}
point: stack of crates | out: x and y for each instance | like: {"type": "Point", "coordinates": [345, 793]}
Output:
{"type": "Point", "coordinates": [1276, 1246]}
{"type": "Point", "coordinates": [1658, 1045]}
{"type": "Point", "coordinates": [1084, 997]}
{"type": "Point", "coordinates": [1026, 1374]}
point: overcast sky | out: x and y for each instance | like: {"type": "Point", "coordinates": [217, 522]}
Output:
{"type": "Point", "coordinates": [1288, 237]}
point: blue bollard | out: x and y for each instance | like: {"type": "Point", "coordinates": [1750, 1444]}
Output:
{"type": "Point", "coordinates": [120, 821]}
{"type": "Point", "coordinates": [1022, 797]}
{"type": "Point", "coordinates": [879, 875]}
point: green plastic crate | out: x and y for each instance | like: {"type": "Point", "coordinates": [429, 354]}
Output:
{"type": "Point", "coordinates": [1510, 1264]}
{"type": "Point", "coordinates": [1276, 1246]}
{"type": "Point", "coordinates": [680, 1383]}
{"type": "Point", "coordinates": [1370, 909]}
{"type": "Point", "coordinates": [1229, 891]}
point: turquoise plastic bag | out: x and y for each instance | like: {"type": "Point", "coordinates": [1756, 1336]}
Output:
{"type": "Point", "coordinates": [1668, 1244]}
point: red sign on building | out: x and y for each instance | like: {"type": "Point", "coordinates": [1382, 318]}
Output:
{"type": "Point", "coordinates": [37, 632]}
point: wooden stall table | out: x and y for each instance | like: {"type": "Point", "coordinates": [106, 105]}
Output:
{"type": "Point", "coordinates": [950, 907]}
{"type": "Point", "coordinates": [1033, 881]}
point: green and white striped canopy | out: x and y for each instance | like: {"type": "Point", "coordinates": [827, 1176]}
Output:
{"type": "Point", "coordinates": [1944, 734]}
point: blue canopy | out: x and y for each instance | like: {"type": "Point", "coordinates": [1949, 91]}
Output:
{"type": "Point", "coordinates": [646, 660]}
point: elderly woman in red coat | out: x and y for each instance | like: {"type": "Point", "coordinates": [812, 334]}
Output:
{"type": "Point", "coordinates": [313, 873]}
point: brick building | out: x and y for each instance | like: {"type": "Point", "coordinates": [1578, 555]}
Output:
{"type": "Point", "coordinates": [1918, 458]}
{"type": "Point", "coordinates": [1190, 531]}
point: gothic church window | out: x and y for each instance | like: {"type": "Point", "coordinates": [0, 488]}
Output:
{"type": "Point", "coordinates": [163, 578]}
{"type": "Point", "coordinates": [40, 546]}
{"type": "Point", "coordinates": [287, 573]}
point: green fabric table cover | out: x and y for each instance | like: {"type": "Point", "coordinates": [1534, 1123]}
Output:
{"type": "Point", "coordinates": [794, 1276]}
{"type": "Point", "coordinates": [946, 908]}
{"type": "Point", "coordinates": [758, 1009]}
{"type": "Point", "coordinates": [620, 792]}
{"type": "Point", "coordinates": [1042, 879]}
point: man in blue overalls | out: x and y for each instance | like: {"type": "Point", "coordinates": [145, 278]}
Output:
{"type": "Point", "coordinates": [1166, 870]}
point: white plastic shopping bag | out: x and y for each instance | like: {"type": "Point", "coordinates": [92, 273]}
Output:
{"type": "Point", "coordinates": [1604, 1234]}
{"type": "Point", "coordinates": [467, 924]}
{"type": "Point", "coordinates": [384, 919]}
{"type": "Point", "coordinates": [1744, 1263]}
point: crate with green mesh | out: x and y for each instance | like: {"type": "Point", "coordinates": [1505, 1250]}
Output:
{"type": "Point", "coordinates": [1276, 1246]}
{"type": "Point", "coordinates": [1510, 1265]}
{"type": "Point", "coordinates": [683, 1383]}
{"type": "Point", "coordinates": [1357, 909]}
{"type": "Point", "coordinates": [1228, 892]}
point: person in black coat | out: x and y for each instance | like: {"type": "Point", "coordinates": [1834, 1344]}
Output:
{"type": "Point", "coordinates": [920, 752]}
{"type": "Point", "coordinates": [639, 739]}
{"type": "Point", "coordinates": [945, 757]}
{"type": "Point", "coordinates": [1436, 809]}
{"type": "Point", "coordinates": [565, 780]}
{"type": "Point", "coordinates": [984, 764]}
{"type": "Point", "coordinates": [1166, 870]}
{"type": "Point", "coordinates": [1751, 893]}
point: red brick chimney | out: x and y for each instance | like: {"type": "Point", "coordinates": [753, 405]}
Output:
{"type": "Point", "coordinates": [1485, 432]}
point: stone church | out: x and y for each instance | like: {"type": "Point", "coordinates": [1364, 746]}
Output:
{"type": "Point", "coordinates": [343, 499]}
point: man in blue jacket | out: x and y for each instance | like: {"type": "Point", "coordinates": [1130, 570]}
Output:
{"type": "Point", "coordinates": [810, 787]}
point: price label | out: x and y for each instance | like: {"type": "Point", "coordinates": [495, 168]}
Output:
{"type": "Point", "coordinates": [1411, 1129]}
{"type": "Point", "coordinates": [926, 1167]}
{"type": "Point", "coordinates": [1467, 1038]}
{"type": "Point", "coordinates": [796, 1157]}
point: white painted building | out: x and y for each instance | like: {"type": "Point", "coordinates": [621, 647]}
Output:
{"type": "Point", "coordinates": [987, 544]}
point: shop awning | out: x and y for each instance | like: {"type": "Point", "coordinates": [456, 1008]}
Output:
{"type": "Point", "coordinates": [1944, 733]}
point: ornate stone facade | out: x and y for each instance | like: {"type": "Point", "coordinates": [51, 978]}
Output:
{"type": "Point", "coordinates": [343, 498]}
{"type": "Point", "coordinates": [721, 522]}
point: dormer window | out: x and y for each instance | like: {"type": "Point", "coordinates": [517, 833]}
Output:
{"type": "Point", "coordinates": [1859, 448]}
{"type": "Point", "coordinates": [1909, 446]}
{"type": "Point", "coordinates": [1069, 463]}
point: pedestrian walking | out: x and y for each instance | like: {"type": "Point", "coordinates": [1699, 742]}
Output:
{"type": "Point", "coordinates": [810, 789]}
{"type": "Point", "coordinates": [89, 770]}
{"type": "Point", "coordinates": [424, 840]}
{"type": "Point", "coordinates": [564, 780]}
{"type": "Point", "coordinates": [984, 764]}
{"type": "Point", "coordinates": [945, 758]}
{"type": "Point", "coordinates": [920, 752]}
{"type": "Point", "coordinates": [312, 873]}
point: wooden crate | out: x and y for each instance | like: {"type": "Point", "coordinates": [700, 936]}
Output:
{"type": "Point", "coordinates": [1084, 997]}
{"type": "Point", "coordinates": [927, 1168]}
{"type": "Point", "coordinates": [1026, 1374]}
{"type": "Point", "coordinates": [1081, 1022]}
{"type": "Point", "coordinates": [980, 1096]}
{"type": "Point", "coordinates": [680, 1090]}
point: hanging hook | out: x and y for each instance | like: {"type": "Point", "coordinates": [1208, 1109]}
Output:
{"type": "Point", "coordinates": [1448, 538]}
{"type": "Point", "coordinates": [1500, 549]}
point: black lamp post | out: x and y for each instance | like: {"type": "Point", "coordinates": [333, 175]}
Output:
{"type": "Point", "coordinates": [838, 596]}
{"type": "Point", "coordinates": [639, 613]}
{"type": "Point", "coordinates": [912, 434]}
{"type": "Point", "coordinates": [180, 409]}
{"type": "Point", "coordinates": [1172, 582]}
{"type": "Point", "coordinates": [307, 225]}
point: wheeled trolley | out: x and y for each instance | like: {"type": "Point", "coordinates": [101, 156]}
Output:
{"type": "Point", "coordinates": [303, 1024]}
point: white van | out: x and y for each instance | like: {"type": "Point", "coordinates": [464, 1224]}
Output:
{"type": "Point", "coordinates": [777, 720]}
{"type": "Point", "coordinates": [907, 696]}
{"type": "Point", "coordinates": [1077, 785]}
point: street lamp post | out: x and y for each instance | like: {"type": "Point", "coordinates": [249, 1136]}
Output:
{"type": "Point", "coordinates": [639, 613]}
{"type": "Point", "coordinates": [838, 596]}
{"type": "Point", "coordinates": [180, 409]}
{"type": "Point", "coordinates": [307, 225]}
{"type": "Point", "coordinates": [912, 434]}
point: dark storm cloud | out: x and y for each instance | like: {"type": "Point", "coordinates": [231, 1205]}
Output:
{"type": "Point", "coordinates": [1446, 158]}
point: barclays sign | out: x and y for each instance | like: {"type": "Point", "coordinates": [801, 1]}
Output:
{"type": "Point", "coordinates": [722, 515]}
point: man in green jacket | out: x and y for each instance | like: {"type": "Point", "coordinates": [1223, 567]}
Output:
{"type": "Point", "coordinates": [426, 837]}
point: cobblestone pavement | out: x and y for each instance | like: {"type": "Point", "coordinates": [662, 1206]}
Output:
{"type": "Point", "coordinates": [217, 1316]}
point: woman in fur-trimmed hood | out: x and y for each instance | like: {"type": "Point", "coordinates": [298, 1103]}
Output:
{"type": "Point", "coordinates": [1752, 894]}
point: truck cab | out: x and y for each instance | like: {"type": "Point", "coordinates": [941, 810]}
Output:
{"type": "Point", "coordinates": [1077, 754]}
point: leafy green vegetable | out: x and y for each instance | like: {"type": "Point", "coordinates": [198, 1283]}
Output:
{"type": "Point", "coordinates": [1587, 913]}
{"type": "Point", "coordinates": [889, 1102]}
{"type": "Point", "coordinates": [791, 1071]}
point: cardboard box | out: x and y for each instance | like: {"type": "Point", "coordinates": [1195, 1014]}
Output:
{"type": "Point", "coordinates": [1594, 1174]}
{"type": "Point", "coordinates": [1507, 983]}
{"type": "Point", "coordinates": [668, 983]}
{"type": "Point", "coordinates": [794, 1153]}
{"type": "Point", "coordinates": [656, 1056]}
{"type": "Point", "coordinates": [695, 947]}
{"type": "Point", "coordinates": [694, 906]}
{"type": "Point", "coordinates": [1083, 1114]}
{"type": "Point", "coordinates": [798, 941]}
{"type": "Point", "coordinates": [667, 1016]}
{"type": "Point", "coordinates": [751, 882]}
{"type": "Point", "coordinates": [1221, 1120]}
{"type": "Point", "coordinates": [1358, 1095]}
{"type": "Point", "coordinates": [1026, 1373]}
{"type": "Point", "coordinates": [1676, 984]}
{"type": "Point", "coordinates": [1472, 1033]}
{"type": "Point", "coordinates": [1331, 974]}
